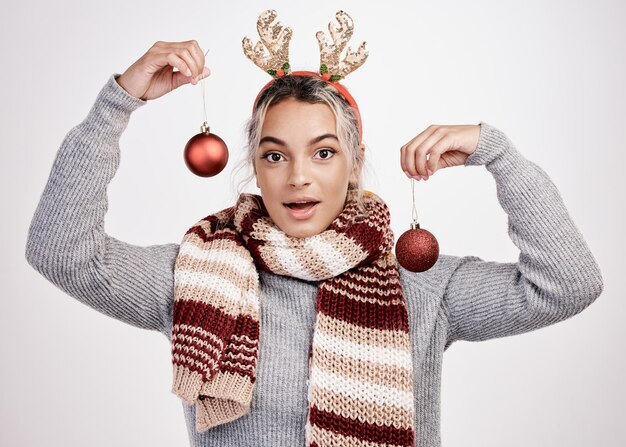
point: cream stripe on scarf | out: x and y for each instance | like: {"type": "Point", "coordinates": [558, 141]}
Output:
{"type": "Point", "coordinates": [215, 283]}
{"type": "Point", "coordinates": [362, 390]}
{"type": "Point", "coordinates": [369, 412]}
{"type": "Point", "coordinates": [375, 372]}
{"type": "Point", "coordinates": [334, 260]}
{"type": "Point", "coordinates": [387, 356]}
{"type": "Point", "coordinates": [236, 260]}
{"type": "Point", "coordinates": [365, 335]}
{"type": "Point", "coordinates": [363, 298]}
{"type": "Point", "coordinates": [249, 307]}
{"type": "Point", "coordinates": [285, 256]}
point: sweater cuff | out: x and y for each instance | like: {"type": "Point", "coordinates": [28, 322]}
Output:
{"type": "Point", "coordinates": [120, 97]}
{"type": "Point", "coordinates": [491, 144]}
{"type": "Point", "coordinates": [112, 108]}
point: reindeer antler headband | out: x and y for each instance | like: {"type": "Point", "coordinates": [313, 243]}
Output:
{"type": "Point", "coordinates": [271, 54]}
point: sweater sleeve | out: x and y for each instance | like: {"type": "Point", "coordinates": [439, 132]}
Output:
{"type": "Point", "coordinates": [556, 275]}
{"type": "Point", "coordinates": [67, 243]}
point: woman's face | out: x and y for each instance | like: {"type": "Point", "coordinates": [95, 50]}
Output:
{"type": "Point", "coordinates": [300, 160]}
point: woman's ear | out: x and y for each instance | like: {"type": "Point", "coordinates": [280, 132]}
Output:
{"type": "Point", "coordinates": [357, 169]}
{"type": "Point", "coordinates": [256, 178]}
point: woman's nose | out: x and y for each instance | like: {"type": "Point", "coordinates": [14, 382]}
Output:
{"type": "Point", "coordinates": [299, 175]}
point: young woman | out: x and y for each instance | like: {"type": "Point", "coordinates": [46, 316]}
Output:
{"type": "Point", "coordinates": [336, 318]}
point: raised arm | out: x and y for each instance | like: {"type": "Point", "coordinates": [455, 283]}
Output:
{"type": "Point", "coordinates": [66, 241]}
{"type": "Point", "coordinates": [556, 275]}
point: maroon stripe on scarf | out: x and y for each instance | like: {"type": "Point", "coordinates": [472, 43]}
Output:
{"type": "Point", "coordinates": [211, 219]}
{"type": "Point", "coordinates": [382, 434]}
{"type": "Point", "coordinates": [390, 287]}
{"type": "Point", "coordinates": [241, 346]}
{"type": "Point", "coordinates": [238, 366]}
{"type": "Point", "coordinates": [373, 280]}
{"type": "Point", "coordinates": [249, 327]}
{"type": "Point", "coordinates": [369, 239]}
{"type": "Point", "coordinates": [201, 233]}
{"type": "Point", "coordinates": [370, 315]}
{"type": "Point", "coordinates": [254, 245]}
{"type": "Point", "coordinates": [214, 320]}
{"type": "Point", "coordinates": [204, 316]}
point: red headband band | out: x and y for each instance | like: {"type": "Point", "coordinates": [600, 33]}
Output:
{"type": "Point", "coordinates": [343, 90]}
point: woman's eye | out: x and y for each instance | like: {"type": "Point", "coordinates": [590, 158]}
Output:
{"type": "Point", "coordinates": [272, 157]}
{"type": "Point", "coordinates": [325, 154]}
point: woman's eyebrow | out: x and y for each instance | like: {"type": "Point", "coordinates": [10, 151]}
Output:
{"type": "Point", "coordinates": [271, 139]}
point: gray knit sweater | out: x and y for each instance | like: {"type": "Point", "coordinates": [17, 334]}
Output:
{"type": "Point", "coordinates": [459, 298]}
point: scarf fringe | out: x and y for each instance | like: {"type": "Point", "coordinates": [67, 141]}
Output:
{"type": "Point", "coordinates": [223, 399]}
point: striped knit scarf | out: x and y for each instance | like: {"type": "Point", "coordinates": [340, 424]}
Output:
{"type": "Point", "coordinates": [360, 370]}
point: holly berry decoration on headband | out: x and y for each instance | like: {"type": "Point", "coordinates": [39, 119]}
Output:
{"type": "Point", "coordinates": [417, 249]}
{"type": "Point", "coordinates": [206, 154]}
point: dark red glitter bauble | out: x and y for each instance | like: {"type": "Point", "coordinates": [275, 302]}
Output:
{"type": "Point", "coordinates": [206, 154]}
{"type": "Point", "coordinates": [417, 250]}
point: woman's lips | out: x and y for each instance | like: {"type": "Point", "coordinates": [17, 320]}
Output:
{"type": "Point", "coordinates": [302, 213]}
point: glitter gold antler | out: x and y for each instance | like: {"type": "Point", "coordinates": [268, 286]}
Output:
{"type": "Point", "coordinates": [271, 54]}
{"type": "Point", "coordinates": [331, 68]}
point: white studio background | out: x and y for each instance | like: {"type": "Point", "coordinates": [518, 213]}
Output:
{"type": "Point", "coordinates": [548, 74]}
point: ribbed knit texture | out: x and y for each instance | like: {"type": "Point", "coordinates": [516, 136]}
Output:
{"type": "Point", "coordinates": [360, 369]}
{"type": "Point", "coordinates": [459, 298]}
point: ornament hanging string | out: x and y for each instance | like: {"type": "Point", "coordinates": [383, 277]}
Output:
{"type": "Point", "coordinates": [414, 212]}
{"type": "Point", "coordinates": [204, 95]}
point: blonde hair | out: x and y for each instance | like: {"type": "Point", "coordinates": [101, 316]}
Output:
{"type": "Point", "coordinates": [314, 91]}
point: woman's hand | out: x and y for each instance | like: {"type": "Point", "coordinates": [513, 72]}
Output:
{"type": "Point", "coordinates": [153, 75]}
{"type": "Point", "coordinates": [445, 146]}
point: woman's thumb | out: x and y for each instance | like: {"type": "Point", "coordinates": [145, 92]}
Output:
{"type": "Point", "coordinates": [205, 72]}
{"type": "Point", "coordinates": [181, 79]}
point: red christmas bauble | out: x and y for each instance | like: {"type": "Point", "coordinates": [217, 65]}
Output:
{"type": "Point", "coordinates": [206, 154]}
{"type": "Point", "coordinates": [417, 249]}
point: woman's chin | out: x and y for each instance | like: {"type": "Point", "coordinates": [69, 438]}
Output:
{"type": "Point", "coordinates": [300, 228]}
{"type": "Point", "coordinates": [303, 231]}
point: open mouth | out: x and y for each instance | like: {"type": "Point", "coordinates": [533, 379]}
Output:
{"type": "Point", "coordinates": [300, 205]}
{"type": "Point", "coordinates": [301, 210]}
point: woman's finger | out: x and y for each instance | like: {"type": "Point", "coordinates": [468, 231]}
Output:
{"type": "Point", "coordinates": [425, 148]}
{"type": "Point", "coordinates": [198, 56]}
{"type": "Point", "coordinates": [185, 55]}
{"type": "Point", "coordinates": [407, 160]}
{"type": "Point", "coordinates": [186, 51]}
{"type": "Point", "coordinates": [418, 149]}
{"type": "Point", "coordinates": [432, 164]}
{"type": "Point", "coordinates": [439, 146]}
{"type": "Point", "coordinates": [177, 62]}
